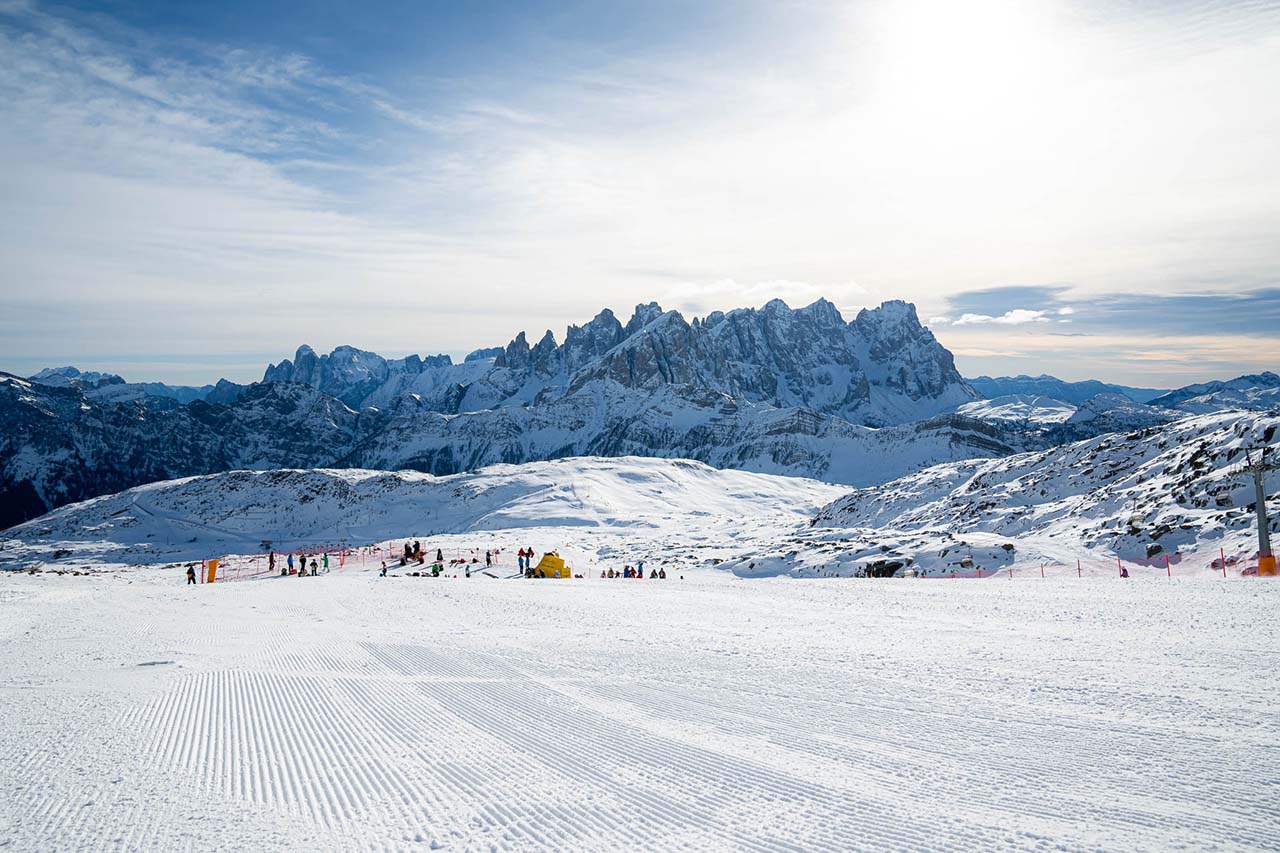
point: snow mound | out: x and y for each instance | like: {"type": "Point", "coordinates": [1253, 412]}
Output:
{"type": "Point", "coordinates": [234, 512]}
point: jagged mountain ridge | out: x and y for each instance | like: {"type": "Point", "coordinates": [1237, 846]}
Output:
{"type": "Point", "coordinates": [882, 368]}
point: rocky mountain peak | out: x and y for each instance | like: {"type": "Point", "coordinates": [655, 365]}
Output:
{"type": "Point", "coordinates": [643, 316]}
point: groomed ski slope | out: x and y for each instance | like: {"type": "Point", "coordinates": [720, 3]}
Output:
{"type": "Point", "coordinates": [352, 712]}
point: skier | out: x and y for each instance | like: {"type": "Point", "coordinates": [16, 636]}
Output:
{"type": "Point", "coordinates": [326, 562]}
{"type": "Point", "coordinates": [408, 552]}
{"type": "Point", "coordinates": [1124, 573]}
{"type": "Point", "coordinates": [383, 573]}
{"type": "Point", "coordinates": [662, 574]}
{"type": "Point", "coordinates": [440, 556]}
{"type": "Point", "coordinates": [290, 567]}
{"type": "Point", "coordinates": [313, 567]}
{"type": "Point", "coordinates": [271, 561]}
{"type": "Point", "coordinates": [191, 573]}
{"type": "Point", "coordinates": [417, 548]}
{"type": "Point", "coordinates": [488, 559]}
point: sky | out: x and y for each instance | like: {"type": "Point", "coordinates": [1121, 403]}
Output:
{"type": "Point", "coordinates": [190, 190]}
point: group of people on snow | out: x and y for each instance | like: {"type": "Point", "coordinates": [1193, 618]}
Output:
{"type": "Point", "coordinates": [301, 571]}
{"type": "Point", "coordinates": [637, 572]}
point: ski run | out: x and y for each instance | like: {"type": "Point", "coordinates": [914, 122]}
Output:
{"type": "Point", "coordinates": [355, 712]}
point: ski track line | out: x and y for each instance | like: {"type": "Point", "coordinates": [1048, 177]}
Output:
{"type": "Point", "coordinates": [1007, 755]}
{"type": "Point", "coordinates": [701, 770]}
{"type": "Point", "coordinates": [318, 740]}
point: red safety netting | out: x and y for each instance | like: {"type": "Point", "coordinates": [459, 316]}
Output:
{"type": "Point", "coordinates": [1194, 564]}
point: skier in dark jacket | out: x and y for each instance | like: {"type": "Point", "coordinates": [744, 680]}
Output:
{"type": "Point", "coordinates": [191, 574]}
{"type": "Point", "coordinates": [440, 556]}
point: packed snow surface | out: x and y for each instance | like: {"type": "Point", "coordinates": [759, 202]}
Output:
{"type": "Point", "coordinates": [351, 711]}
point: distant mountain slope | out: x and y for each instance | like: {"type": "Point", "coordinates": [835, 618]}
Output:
{"type": "Point", "coordinates": [233, 512]}
{"type": "Point", "coordinates": [1257, 391]}
{"type": "Point", "coordinates": [108, 386]}
{"type": "Point", "coordinates": [1033, 409]}
{"type": "Point", "coordinates": [1058, 389]}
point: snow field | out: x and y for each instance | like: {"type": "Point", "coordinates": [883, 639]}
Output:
{"type": "Point", "coordinates": [356, 712]}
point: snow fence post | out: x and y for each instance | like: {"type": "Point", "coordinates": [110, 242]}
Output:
{"type": "Point", "coordinates": [1042, 570]}
{"type": "Point", "coordinates": [1010, 574]}
{"type": "Point", "coordinates": [1223, 554]}
{"type": "Point", "coordinates": [1167, 572]}
{"type": "Point", "coordinates": [203, 568]}
{"type": "Point", "coordinates": [1119, 568]}
{"type": "Point", "coordinates": [1078, 574]}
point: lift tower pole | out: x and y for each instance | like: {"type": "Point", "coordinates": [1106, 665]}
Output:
{"type": "Point", "coordinates": [1266, 560]}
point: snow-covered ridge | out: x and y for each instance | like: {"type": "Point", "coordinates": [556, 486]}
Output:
{"type": "Point", "coordinates": [1059, 389]}
{"type": "Point", "coordinates": [234, 511]}
{"type": "Point", "coordinates": [1020, 408]}
{"type": "Point", "coordinates": [1174, 488]}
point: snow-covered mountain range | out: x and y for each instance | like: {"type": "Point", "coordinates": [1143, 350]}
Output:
{"type": "Point", "coordinates": [1259, 391]}
{"type": "Point", "coordinates": [112, 388]}
{"type": "Point", "coordinates": [776, 390]}
{"type": "Point", "coordinates": [1058, 389]}
{"type": "Point", "coordinates": [779, 390]}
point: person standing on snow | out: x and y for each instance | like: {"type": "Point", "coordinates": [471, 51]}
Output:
{"type": "Point", "coordinates": [191, 573]}
{"type": "Point", "coordinates": [326, 562]}
{"type": "Point", "coordinates": [440, 556]}
{"type": "Point", "coordinates": [271, 562]}
{"type": "Point", "coordinates": [290, 569]}
{"type": "Point", "coordinates": [488, 559]}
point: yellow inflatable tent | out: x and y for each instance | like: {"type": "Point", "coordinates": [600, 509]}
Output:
{"type": "Point", "coordinates": [551, 566]}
